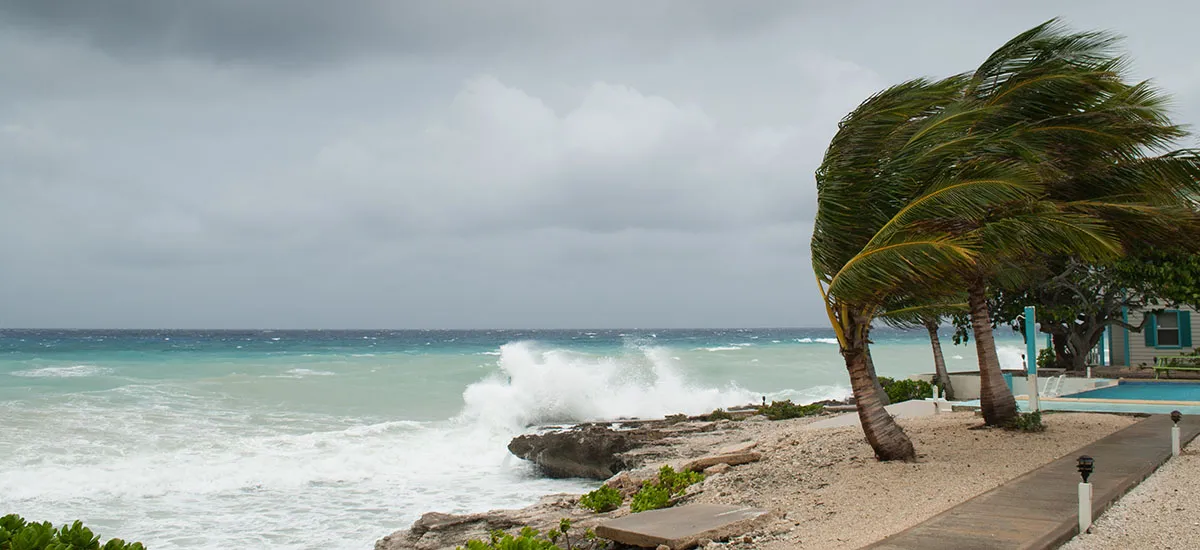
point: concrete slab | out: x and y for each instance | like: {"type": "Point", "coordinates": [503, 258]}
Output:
{"type": "Point", "coordinates": [905, 409]}
{"type": "Point", "coordinates": [682, 527]}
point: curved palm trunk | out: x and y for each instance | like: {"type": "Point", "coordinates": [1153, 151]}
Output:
{"type": "Point", "coordinates": [883, 434]}
{"type": "Point", "coordinates": [939, 361]}
{"type": "Point", "coordinates": [883, 396]}
{"type": "Point", "coordinates": [996, 400]}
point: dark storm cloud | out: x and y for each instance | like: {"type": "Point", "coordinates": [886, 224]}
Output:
{"type": "Point", "coordinates": [228, 163]}
{"type": "Point", "coordinates": [303, 31]}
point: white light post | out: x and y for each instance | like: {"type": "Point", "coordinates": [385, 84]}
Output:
{"type": "Point", "coordinates": [1085, 464]}
{"type": "Point", "coordinates": [1175, 417]}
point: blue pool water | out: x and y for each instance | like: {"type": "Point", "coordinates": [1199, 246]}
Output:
{"type": "Point", "coordinates": [1147, 391]}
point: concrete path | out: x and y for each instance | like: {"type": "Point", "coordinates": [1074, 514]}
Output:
{"type": "Point", "coordinates": [1039, 509]}
{"type": "Point", "coordinates": [904, 409]}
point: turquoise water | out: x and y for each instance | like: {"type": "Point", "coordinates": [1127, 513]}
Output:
{"type": "Point", "coordinates": [1148, 391]}
{"type": "Point", "coordinates": [332, 439]}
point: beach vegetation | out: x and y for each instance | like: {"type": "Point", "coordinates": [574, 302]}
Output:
{"type": "Point", "coordinates": [529, 538]}
{"type": "Point", "coordinates": [18, 534]}
{"type": "Point", "coordinates": [604, 499]}
{"type": "Point", "coordinates": [658, 493]}
{"type": "Point", "coordinates": [1028, 422]}
{"type": "Point", "coordinates": [783, 410]}
{"type": "Point", "coordinates": [906, 390]}
{"type": "Point", "coordinates": [719, 414]}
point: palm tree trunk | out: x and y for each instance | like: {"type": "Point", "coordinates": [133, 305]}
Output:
{"type": "Point", "coordinates": [939, 361]}
{"type": "Point", "coordinates": [996, 400]}
{"type": "Point", "coordinates": [883, 396]}
{"type": "Point", "coordinates": [883, 434]}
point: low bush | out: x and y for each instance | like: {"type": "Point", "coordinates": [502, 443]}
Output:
{"type": "Point", "coordinates": [1028, 422]}
{"type": "Point", "coordinates": [604, 499]}
{"type": "Point", "coordinates": [783, 410]}
{"type": "Point", "coordinates": [1046, 358]}
{"type": "Point", "coordinates": [719, 414]}
{"type": "Point", "coordinates": [905, 390]}
{"type": "Point", "coordinates": [17, 534]}
{"type": "Point", "coordinates": [529, 538]}
{"type": "Point", "coordinates": [658, 493]}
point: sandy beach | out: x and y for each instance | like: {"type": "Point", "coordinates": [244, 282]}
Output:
{"type": "Point", "coordinates": [828, 491]}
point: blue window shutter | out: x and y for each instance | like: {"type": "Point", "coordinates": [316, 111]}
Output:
{"type": "Point", "coordinates": [1185, 329]}
{"type": "Point", "coordinates": [1151, 330]}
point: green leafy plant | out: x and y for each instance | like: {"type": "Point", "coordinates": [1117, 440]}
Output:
{"type": "Point", "coordinates": [1028, 422]}
{"type": "Point", "coordinates": [783, 410]}
{"type": "Point", "coordinates": [1046, 358]}
{"type": "Point", "coordinates": [905, 390]}
{"type": "Point", "coordinates": [719, 414]}
{"type": "Point", "coordinates": [658, 493]}
{"type": "Point", "coordinates": [529, 538]}
{"type": "Point", "coordinates": [18, 534]}
{"type": "Point", "coordinates": [604, 499]}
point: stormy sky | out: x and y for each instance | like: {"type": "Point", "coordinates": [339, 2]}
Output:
{"type": "Point", "coordinates": [452, 164]}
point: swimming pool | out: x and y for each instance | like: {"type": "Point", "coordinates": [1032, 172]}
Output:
{"type": "Point", "coordinates": [1144, 391]}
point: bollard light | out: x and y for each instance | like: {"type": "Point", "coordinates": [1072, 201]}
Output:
{"type": "Point", "coordinates": [1176, 416]}
{"type": "Point", "coordinates": [1085, 464]}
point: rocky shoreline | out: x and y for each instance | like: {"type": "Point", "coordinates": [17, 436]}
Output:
{"type": "Point", "coordinates": [623, 454]}
{"type": "Point", "coordinates": [823, 487]}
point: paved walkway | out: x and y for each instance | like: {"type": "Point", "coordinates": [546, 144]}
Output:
{"type": "Point", "coordinates": [1039, 509]}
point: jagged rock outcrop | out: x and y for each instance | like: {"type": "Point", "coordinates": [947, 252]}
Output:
{"type": "Point", "coordinates": [594, 452]}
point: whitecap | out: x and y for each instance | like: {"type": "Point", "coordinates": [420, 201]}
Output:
{"type": "Point", "coordinates": [77, 371]}
{"type": "Point", "coordinates": [301, 373]}
{"type": "Point", "coordinates": [719, 348]}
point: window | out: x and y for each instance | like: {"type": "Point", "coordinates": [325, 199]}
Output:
{"type": "Point", "coordinates": [1168, 329]}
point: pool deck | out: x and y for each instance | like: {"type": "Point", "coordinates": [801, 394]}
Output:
{"type": "Point", "coordinates": [1039, 509]}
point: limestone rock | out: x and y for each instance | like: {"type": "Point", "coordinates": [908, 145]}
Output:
{"type": "Point", "coordinates": [591, 452]}
{"type": "Point", "coordinates": [716, 469]}
{"type": "Point", "coordinates": [732, 459]}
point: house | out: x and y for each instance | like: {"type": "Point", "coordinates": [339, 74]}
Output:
{"type": "Point", "coordinates": [1168, 333]}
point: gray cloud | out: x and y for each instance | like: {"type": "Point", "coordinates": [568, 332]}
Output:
{"type": "Point", "coordinates": [450, 164]}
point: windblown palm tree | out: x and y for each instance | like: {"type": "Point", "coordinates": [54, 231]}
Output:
{"type": "Point", "coordinates": [909, 312]}
{"type": "Point", "coordinates": [962, 179]}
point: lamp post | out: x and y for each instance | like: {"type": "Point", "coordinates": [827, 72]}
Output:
{"type": "Point", "coordinates": [1086, 465]}
{"type": "Point", "coordinates": [1176, 416]}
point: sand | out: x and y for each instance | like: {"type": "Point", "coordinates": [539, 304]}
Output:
{"type": "Point", "coordinates": [1162, 512]}
{"type": "Point", "coordinates": [829, 491]}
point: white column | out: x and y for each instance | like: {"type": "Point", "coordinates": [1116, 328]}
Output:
{"type": "Point", "coordinates": [1175, 441]}
{"type": "Point", "coordinates": [1034, 402]}
{"type": "Point", "coordinates": [1085, 507]}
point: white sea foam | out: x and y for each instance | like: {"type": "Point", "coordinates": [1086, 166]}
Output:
{"type": "Point", "coordinates": [488, 353]}
{"type": "Point", "coordinates": [817, 340]}
{"type": "Point", "coordinates": [539, 386]}
{"type": "Point", "coordinates": [77, 371]}
{"type": "Point", "coordinates": [301, 373]}
{"type": "Point", "coordinates": [719, 348]}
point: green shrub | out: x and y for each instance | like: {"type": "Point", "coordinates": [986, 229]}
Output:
{"type": "Point", "coordinates": [1028, 422]}
{"type": "Point", "coordinates": [1046, 358]}
{"type": "Point", "coordinates": [17, 534]}
{"type": "Point", "coordinates": [905, 390]}
{"type": "Point", "coordinates": [658, 493]}
{"type": "Point", "coordinates": [783, 410]}
{"type": "Point", "coordinates": [604, 499]}
{"type": "Point", "coordinates": [529, 538]}
{"type": "Point", "coordinates": [719, 414]}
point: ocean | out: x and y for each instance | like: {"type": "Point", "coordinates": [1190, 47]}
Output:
{"type": "Point", "coordinates": [333, 439]}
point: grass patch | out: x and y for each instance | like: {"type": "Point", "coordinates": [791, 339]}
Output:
{"type": "Point", "coordinates": [1027, 422]}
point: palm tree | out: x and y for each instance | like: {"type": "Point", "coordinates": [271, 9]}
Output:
{"type": "Point", "coordinates": [906, 314]}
